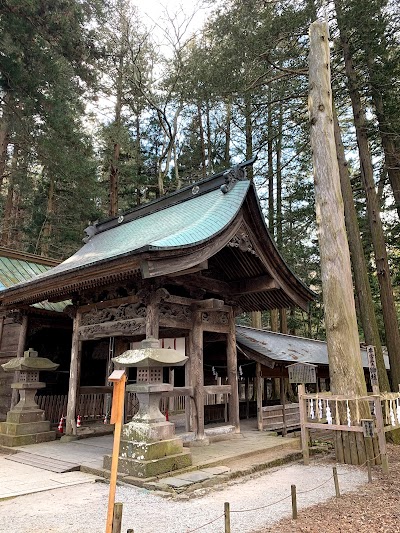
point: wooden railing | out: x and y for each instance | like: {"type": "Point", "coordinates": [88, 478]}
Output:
{"type": "Point", "coordinates": [326, 411]}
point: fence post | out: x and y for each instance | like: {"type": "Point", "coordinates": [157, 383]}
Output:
{"type": "Point", "coordinates": [303, 420]}
{"type": "Point", "coordinates": [336, 480]}
{"type": "Point", "coordinates": [117, 519]}
{"type": "Point", "coordinates": [227, 513]}
{"type": "Point", "coordinates": [380, 429]}
{"type": "Point", "coordinates": [294, 502]}
{"type": "Point", "coordinates": [369, 470]}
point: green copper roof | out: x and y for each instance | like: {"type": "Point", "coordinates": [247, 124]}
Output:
{"type": "Point", "coordinates": [184, 224]}
{"type": "Point", "coordinates": [13, 271]}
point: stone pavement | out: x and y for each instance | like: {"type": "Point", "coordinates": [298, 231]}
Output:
{"type": "Point", "coordinates": [17, 479]}
{"type": "Point", "coordinates": [237, 456]}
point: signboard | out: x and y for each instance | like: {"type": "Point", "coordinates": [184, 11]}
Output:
{"type": "Point", "coordinates": [368, 427]}
{"type": "Point", "coordinates": [373, 371]}
{"type": "Point", "coordinates": [302, 373]}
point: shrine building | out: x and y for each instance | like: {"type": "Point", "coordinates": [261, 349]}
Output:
{"type": "Point", "coordinates": [179, 269]}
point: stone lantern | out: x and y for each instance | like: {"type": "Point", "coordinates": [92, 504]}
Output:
{"type": "Point", "coordinates": [149, 446]}
{"type": "Point", "coordinates": [26, 422]}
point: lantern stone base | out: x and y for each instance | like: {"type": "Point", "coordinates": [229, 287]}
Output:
{"type": "Point", "coordinates": [148, 450]}
{"type": "Point", "coordinates": [25, 426]}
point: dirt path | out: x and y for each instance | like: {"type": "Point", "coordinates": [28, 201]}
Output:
{"type": "Point", "coordinates": [372, 508]}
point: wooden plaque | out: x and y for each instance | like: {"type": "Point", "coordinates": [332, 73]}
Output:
{"type": "Point", "coordinates": [302, 373]}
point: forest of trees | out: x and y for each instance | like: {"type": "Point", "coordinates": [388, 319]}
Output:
{"type": "Point", "coordinates": [175, 114]}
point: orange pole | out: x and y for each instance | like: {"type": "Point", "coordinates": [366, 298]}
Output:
{"type": "Point", "coordinates": [117, 411]}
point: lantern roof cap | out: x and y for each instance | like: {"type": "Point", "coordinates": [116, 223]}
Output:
{"type": "Point", "coordinates": [149, 355]}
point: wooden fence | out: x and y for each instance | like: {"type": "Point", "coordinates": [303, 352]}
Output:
{"type": "Point", "coordinates": [325, 411]}
{"type": "Point", "coordinates": [97, 405]}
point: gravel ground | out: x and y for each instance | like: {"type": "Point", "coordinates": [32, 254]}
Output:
{"type": "Point", "coordinates": [82, 508]}
{"type": "Point", "coordinates": [373, 508]}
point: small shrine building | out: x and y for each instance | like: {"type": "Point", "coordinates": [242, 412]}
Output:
{"type": "Point", "coordinates": [183, 266]}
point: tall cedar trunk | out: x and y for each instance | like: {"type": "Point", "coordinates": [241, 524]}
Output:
{"type": "Point", "coordinates": [346, 372]}
{"type": "Point", "coordinates": [270, 151]}
{"type": "Point", "coordinates": [114, 167]}
{"type": "Point", "coordinates": [138, 156]}
{"type": "Point", "coordinates": [202, 143]}
{"type": "Point", "coordinates": [278, 218]}
{"type": "Point", "coordinates": [360, 273]}
{"type": "Point", "coordinates": [392, 154]}
{"type": "Point", "coordinates": [8, 208]}
{"type": "Point", "coordinates": [374, 215]}
{"type": "Point", "coordinates": [249, 132]}
{"type": "Point", "coordinates": [227, 151]}
{"type": "Point", "coordinates": [345, 368]}
{"type": "Point", "coordinates": [209, 142]}
{"type": "Point", "coordinates": [48, 224]}
{"type": "Point", "coordinates": [279, 180]}
{"type": "Point", "coordinates": [4, 135]}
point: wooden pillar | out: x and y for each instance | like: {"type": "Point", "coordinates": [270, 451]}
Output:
{"type": "Point", "coordinates": [283, 403]}
{"type": "Point", "coordinates": [196, 356]}
{"type": "Point", "coordinates": [246, 389]}
{"type": "Point", "coordinates": [20, 353]}
{"type": "Point", "coordinates": [188, 383]}
{"type": "Point", "coordinates": [171, 399]}
{"type": "Point", "coordinates": [70, 424]}
{"type": "Point", "coordinates": [283, 320]}
{"type": "Point", "coordinates": [232, 373]}
{"type": "Point", "coordinates": [259, 392]}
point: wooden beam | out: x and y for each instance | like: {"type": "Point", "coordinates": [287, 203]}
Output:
{"type": "Point", "coordinates": [217, 389]}
{"type": "Point", "coordinates": [208, 305]}
{"type": "Point", "coordinates": [251, 285]}
{"type": "Point", "coordinates": [109, 303]}
{"type": "Point", "coordinates": [214, 286]}
{"type": "Point", "coordinates": [197, 268]}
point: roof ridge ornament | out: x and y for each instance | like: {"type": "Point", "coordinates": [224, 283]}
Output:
{"type": "Point", "coordinates": [233, 175]}
{"type": "Point", "coordinates": [242, 241]}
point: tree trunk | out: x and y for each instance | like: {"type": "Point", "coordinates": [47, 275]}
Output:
{"type": "Point", "coordinates": [48, 224]}
{"type": "Point", "coordinates": [209, 142]}
{"type": "Point", "coordinates": [114, 167]}
{"type": "Point", "coordinates": [4, 135]}
{"type": "Point", "coordinates": [345, 368]}
{"type": "Point", "coordinates": [392, 155]}
{"type": "Point", "coordinates": [227, 156]}
{"type": "Point", "coordinates": [202, 144]}
{"type": "Point", "coordinates": [363, 289]}
{"type": "Point", "coordinates": [270, 152]}
{"type": "Point", "coordinates": [249, 134]}
{"type": "Point", "coordinates": [374, 215]}
{"type": "Point", "coordinates": [8, 208]}
{"type": "Point", "coordinates": [279, 180]}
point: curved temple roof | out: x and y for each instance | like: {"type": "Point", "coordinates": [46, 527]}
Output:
{"type": "Point", "coordinates": [196, 226]}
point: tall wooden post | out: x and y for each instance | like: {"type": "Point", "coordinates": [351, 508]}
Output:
{"type": "Point", "coordinates": [259, 391]}
{"type": "Point", "coordinates": [70, 424]}
{"type": "Point", "coordinates": [346, 372]}
{"type": "Point", "coordinates": [196, 358]}
{"type": "Point", "coordinates": [188, 383]}
{"type": "Point", "coordinates": [20, 352]}
{"type": "Point", "coordinates": [232, 373]}
{"type": "Point", "coordinates": [171, 381]}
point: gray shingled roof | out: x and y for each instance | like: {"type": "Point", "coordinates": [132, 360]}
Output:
{"type": "Point", "coordinates": [288, 348]}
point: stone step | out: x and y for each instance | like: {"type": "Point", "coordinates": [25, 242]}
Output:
{"type": "Point", "coordinates": [44, 463]}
